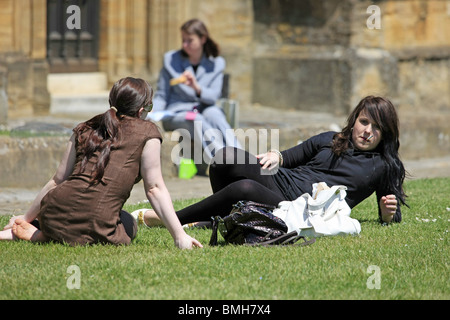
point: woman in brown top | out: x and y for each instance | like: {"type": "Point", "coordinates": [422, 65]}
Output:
{"type": "Point", "coordinates": [105, 157]}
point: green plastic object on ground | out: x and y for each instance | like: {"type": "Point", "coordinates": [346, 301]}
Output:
{"type": "Point", "coordinates": [187, 169]}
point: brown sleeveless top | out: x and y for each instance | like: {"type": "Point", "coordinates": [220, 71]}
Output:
{"type": "Point", "coordinates": [76, 212]}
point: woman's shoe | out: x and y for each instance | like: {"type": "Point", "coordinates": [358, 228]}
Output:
{"type": "Point", "coordinates": [199, 225]}
{"type": "Point", "coordinates": [138, 215]}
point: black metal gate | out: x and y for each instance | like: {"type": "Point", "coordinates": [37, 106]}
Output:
{"type": "Point", "coordinates": [73, 35]}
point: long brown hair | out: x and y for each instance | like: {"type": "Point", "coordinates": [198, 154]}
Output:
{"type": "Point", "coordinates": [126, 98]}
{"type": "Point", "coordinates": [383, 113]}
{"type": "Point", "coordinates": [195, 26]}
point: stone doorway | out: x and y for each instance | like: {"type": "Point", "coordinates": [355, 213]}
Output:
{"type": "Point", "coordinates": [72, 35]}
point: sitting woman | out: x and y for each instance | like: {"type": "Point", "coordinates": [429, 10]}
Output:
{"type": "Point", "coordinates": [364, 157]}
{"type": "Point", "coordinates": [105, 157]}
{"type": "Point", "coordinates": [189, 85]}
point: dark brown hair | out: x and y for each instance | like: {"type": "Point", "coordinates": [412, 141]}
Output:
{"type": "Point", "coordinates": [195, 26]}
{"type": "Point", "coordinates": [383, 113]}
{"type": "Point", "coordinates": [127, 96]}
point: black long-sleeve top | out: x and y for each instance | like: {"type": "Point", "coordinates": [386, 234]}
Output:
{"type": "Point", "coordinates": [362, 172]}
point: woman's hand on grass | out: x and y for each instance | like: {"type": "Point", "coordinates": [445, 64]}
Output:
{"type": "Point", "coordinates": [187, 242]}
{"type": "Point", "coordinates": [388, 206]}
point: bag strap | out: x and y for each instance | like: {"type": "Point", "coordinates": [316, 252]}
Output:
{"type": "Point", "coordinates": [215, 226]}
{"type": "Point", "coordinates": [286, 239]}
{"type": "Point", "coordinates": [305, 242]}
{"type": "Point", "coordinates": [242, 203]}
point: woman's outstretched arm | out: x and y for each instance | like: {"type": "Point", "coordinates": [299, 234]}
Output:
{"type": "Point", "coordinates": [159, 196]}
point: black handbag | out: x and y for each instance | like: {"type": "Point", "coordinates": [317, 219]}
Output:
{"type": "Point", "coordinates": [252, 223]}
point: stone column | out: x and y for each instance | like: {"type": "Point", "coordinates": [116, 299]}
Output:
{"type": "Point", "coordinates": [134, 35]}
{"type": "Point", "coordinates": [3, 96]}
{"type": "Point", "coordinates": [137, 37]}
{"type": "Point", "coordinates": [38, 52]}
{"type": "Point", "coordinates": [23, 48]}
{"type": "Point", "coordinates": [165, 20]}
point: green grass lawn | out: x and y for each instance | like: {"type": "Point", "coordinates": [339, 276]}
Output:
{"type": "Point", "coordinates": [410, 260]}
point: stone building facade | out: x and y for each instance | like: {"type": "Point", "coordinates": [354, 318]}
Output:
{"type": "Point", "coordinates": [315, 55]}
{"type": "Point", "coordinates": [131, 37]}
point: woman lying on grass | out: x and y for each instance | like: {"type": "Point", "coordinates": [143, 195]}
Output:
{"type": "Point", "coordinates": [105, 157]}
{"type": "Point", "coordinates": [363, 157]}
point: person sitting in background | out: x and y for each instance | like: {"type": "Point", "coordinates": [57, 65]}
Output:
{"type": "Point", "coordinates": [189, 85]}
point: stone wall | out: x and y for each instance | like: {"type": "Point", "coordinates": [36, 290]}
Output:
{"type": "Point", "coordinates": [307, 55]}
{"type": "Point", "coordinates": [325, 56]}
{"type": "Point", "coordinates": [31, 162]}
{"type": "Point", "coordinates": [415, 33]}
{"type": "Point", "coordinates": [23, 58]}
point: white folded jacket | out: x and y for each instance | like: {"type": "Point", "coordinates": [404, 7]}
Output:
{"type": "Point", "coordinates": [325, 213]}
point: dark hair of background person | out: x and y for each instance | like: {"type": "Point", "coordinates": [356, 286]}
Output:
{"type": "Point", "coordinates": [195, 26]}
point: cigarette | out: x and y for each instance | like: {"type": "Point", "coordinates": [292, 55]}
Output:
{"type": "Point", "coordinates": [369, 138]}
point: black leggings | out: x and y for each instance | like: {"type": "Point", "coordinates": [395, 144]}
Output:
{"type": "Point", "coordinates": [234, 175]}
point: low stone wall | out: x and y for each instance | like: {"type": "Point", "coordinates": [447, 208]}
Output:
{"type": "Point", "coordinates": [31, 162]}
